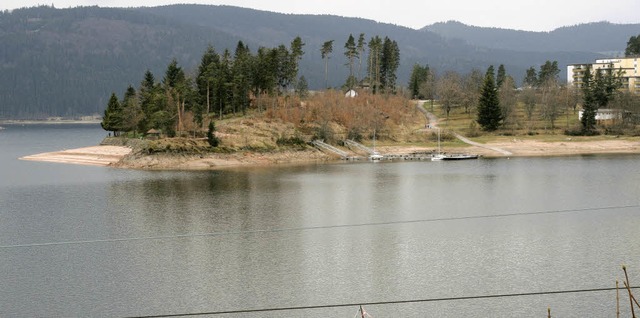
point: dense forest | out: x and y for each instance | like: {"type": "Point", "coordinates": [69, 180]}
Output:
{"type": "Point", "coordinates": [67, 62]}
{"type": "Point", "coordinates": [603, 37]}
{"type": "Point", "coordinates": [229, 83]}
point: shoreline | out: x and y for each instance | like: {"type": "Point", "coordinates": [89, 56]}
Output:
{"type": "Point", "coordinates": [88, 156]}
{"type": "Point", "coordinates": [124, 158]}
{"type": "Point", "coordinates": [49, 122]}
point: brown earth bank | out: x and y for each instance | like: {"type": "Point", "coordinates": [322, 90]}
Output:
{"type": "Point", "coordinates": [124, 157]}
{"type": "Point", "coordinates": [569, 147]}
{"type": "Point", "coordinates": [209, 161]}
{"type": "Point", "coordinates": [533, 148]}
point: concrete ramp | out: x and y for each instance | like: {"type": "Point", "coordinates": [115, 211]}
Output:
{"type": "Point", "coordinates": [329, 148]}
{"type": "Point", "coordinates": [356, 145]}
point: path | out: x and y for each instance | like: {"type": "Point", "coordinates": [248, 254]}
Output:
{"type": "Point", "coordinates": [432, 122]}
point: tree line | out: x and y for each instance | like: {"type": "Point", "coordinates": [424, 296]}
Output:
{"type": "Point", "coordinates": [223, 83]}
{"type": "Point", "coordinates": [498, 104]}
{"type": "Point", "coordinates": [230, 83]}
{"type": "Point", "coordinates": [382, 61]}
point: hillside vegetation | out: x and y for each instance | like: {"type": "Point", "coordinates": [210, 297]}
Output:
{"type": "Point", "coordinates": [602, 37]}
{"type": "Point", "coordinates": [66, 62]}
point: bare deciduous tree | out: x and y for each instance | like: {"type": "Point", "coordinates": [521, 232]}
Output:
{"type": "Point", "coordinates": [550, 100]}
{"type": "Point", "coordinates": [450, 91]}
{"type": "Point", "coordinates": [508, 101]}
{"type": "Point", "coordinates": [528, 98]}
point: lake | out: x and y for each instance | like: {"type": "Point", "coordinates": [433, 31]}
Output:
{"type": "Point", "coordinates": [82, 241]}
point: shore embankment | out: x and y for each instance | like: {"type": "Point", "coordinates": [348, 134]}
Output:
{"type": "Point", "coordinates": [126, 157]}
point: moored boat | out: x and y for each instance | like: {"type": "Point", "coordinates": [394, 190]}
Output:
{"type": "Point", "coordinates": [460, 156]}
{"type": "Point", "coordinates": [439, 156]}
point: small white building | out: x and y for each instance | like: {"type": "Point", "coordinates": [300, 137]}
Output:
{"type": "Point", "coordinates": [351, 93]}
{"type": "Point", "coordinates": [606, 114]}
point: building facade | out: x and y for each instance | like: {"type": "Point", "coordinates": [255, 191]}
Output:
{"type": "Point", "coordinates": [628, 65]}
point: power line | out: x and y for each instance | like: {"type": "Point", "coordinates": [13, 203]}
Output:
{"type": "Point", "coordinates": [392, 302]}
{"type": "Point", "coordinates": [310, 228]}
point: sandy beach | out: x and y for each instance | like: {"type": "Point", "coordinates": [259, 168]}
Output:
{"type": "Point", "coordinates": [533, 148]}
{"type": "Point", "coordinates": [118, 156]}
{"type": "Point", "coordinates": [93, 156]}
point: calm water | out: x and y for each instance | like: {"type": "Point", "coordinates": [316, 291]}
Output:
{"type": "Point", "coordinates": [81, 241]}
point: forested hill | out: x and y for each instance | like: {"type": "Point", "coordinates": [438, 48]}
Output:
{"type": "Point", "coordinates": [602, 37]}
{"type": "Point", "coordinates": [66, 62]}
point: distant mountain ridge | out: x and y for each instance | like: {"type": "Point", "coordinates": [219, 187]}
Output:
{"type": "Point", "coordinates": [603, 37]}
{"type": "Point", "coordinates": [66, 62]}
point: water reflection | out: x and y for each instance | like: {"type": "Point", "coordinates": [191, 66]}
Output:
{"type": "Point", "coordinates": [181, 242]}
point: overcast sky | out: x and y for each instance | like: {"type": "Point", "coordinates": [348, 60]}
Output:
{"type": "Point", "coordinates": [531, 15]}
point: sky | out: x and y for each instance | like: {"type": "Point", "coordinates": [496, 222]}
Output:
{"type": "Point", "coordinates": [529, 15]}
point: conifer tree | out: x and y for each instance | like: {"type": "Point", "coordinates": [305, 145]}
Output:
{"type": "Point", "coordinates": [112, 119]}
{"type": "Point", "coordinates": [351, 52]}
{"type": "Point", "coordinates": [241, 73]}
{"type": "Point", "coordinates": [207, 71]}
{"type": "Point", "coordinates": [390, 62]}
{"type": "Point", "coordinates": [211, 137]}
{"type": "Point", "coordinates": [500, 77]}
{"type": "Point", "coordinates": [589, 104]}
{"type": "Point", "coordinates": [633, 46]}
{"type": "Point", "coordinates": [360, 48]}
{"type": "Point", "coordinates": [375, 54]}
{"type": "Point", "coordinates": [530, 78]}
{"type": "Point", "coordinates": [419, 76]}
{"type": "Point", "coordinates": [147, 100]}
{"type": "Point", "coordinates": [325, 52]}
{"type": "Point", "coordinates": [548, 71]}
{"type": "Point", "coordinates": [131, 111]}
{"type": "Point", "coordinates": [489, 112]}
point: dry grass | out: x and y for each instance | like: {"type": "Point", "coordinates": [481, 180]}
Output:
{"type": "Point", "coordinates": [333, 117]}
{"type": "Point", "coordinates": [286, 123]}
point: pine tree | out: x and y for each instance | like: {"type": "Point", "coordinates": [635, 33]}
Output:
{"type": "Point", "coordinates": [633, 46]}
{"type": "Point", "coordinates": [489, 112]}
{"type": "Point", "coordinates": [241, 73]}
{"type": "Point", "coordinates": [211, 137]}
{"type": "Point", "coordinates": [131, 111]}
{"type": "Point", "coordinates": [360, 47]}
{"type": "Point", "coordinates": [589, 104]}
{"type": "Point", "coordinates": [375, 53]}
{"type": "Point", "coordinates": [112, 119]}
{"type": "Point", "coordinates": [208, 69]}
{"type": "Point", "coordinates": [530, 78]}
{"type": "Point", "coordinates": [597, 92]}
{"type": "Point", "coordinates": [296, 54]}
{"type": "Point", "coordinates": [502, 74]}
{"type": "Point", "coordinates": [351, 52]}
{"type": "Point", "coordinates": [419, 76]}
{"type": "Point", "coordinates": [390, 62]}
{"type": "Point", "coordinates": [548, 71]}
{"type": "Point", "coordinates": [325, 53]}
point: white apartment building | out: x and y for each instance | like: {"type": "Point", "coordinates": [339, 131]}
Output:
{"type": "Point", "coordinates": [628, 65]}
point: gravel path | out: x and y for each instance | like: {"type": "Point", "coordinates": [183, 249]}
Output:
{"type": "Point", "coordinates": [432, 122]}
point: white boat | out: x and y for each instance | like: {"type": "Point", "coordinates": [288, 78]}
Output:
{"type": "Point", "coordinates": [375, 156]}
{"type": "Point", "coordinates": [459, 156]}
{"type": "Point", "coordinates": [439, 155]}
